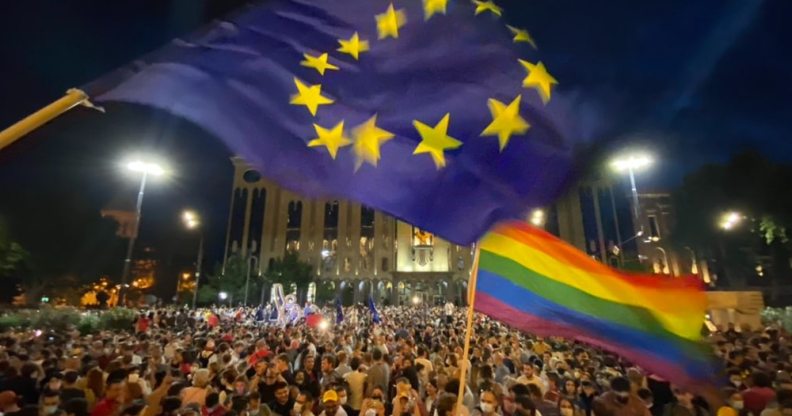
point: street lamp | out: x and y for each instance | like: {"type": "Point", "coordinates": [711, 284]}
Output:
{"type": "Point", "coordinates": [222, 296]}
{"type": "Point", "coordinates": [416, 300]}
{"type": "Point", "coordinates": [192, 221]}
{"type": "Point", "coordinates": [730, 220]}
{"type": "Point", "coordinates": [631, 163]}
{"type": "Point", "coordinates": [144, 168]}
{"type": "Point", "coordinates": [538, 217]}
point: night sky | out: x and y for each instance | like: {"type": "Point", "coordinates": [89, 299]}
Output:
{"type": "Point", "coordinates": [695, 82]}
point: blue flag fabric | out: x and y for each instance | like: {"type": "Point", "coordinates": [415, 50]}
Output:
{"type": "Point", "coordinates": [339, 310]}
{"type": "Point", "coordinates": [451, 126]}
{"type": "Point", "coordinates": [375, 316]}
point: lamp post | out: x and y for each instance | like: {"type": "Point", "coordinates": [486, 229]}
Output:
{"type": "Point", "coordinates": [192, 221]}
{"type": "Point", "coordinates": [145, 168]}
{"type": "Point", "coordinates": [631, 163]}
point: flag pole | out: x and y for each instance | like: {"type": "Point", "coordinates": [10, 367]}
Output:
{"type": "Point", "coordinates": [468, 331]}
{"type": "Point", "coordinates": [73, 98]}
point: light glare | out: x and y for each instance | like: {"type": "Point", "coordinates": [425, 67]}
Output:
{"type": "Point", "coordinates": [150, 168]}
{"type": "Point", "coordinates": [632, 161]}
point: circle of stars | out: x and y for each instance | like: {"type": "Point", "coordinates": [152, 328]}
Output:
{"type": "Point", "coordinates": [367, 138]}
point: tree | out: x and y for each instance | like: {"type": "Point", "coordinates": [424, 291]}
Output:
{"type": "Point", "coordinates": [12, 256]}
{"type": "Point", "coordinates": [753, 186]}
{"type": "Point", "coordinates": [231, 281]}
{"type": "Point", "coordinates": [291, 270]}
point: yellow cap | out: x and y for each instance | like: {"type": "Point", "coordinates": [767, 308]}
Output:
{"type": "Point", "coordinates": [330, 396]}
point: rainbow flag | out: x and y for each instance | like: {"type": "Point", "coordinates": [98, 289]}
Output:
{"type": "Point", "coordinates": [533, 281]}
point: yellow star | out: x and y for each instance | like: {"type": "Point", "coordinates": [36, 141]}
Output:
{"type": "Point", "coordinates": [506, 121]}
{"type": "Point", "coordinates": [368, 140]}
{"type": "Point", "coordinates": [354, 46]}
{"type": "Point", "coordinates": [435, 140]}
{"type": "Point", "coordinates": [309, 96]}
{"type": "Point", "coordinates": [483, 6]}
{"type": "Point", "coordinates": [318, 63]}
{"type": "Point", "coordinates": [332, 139]}
{"type": "Point", "coordinates": [388, 23]}
{"type": "Point", "coordinates": [538, 78]}
{"type": "Point", "coordinates": [434, 6]}
{"type": "Point", "coordinates": [522, 35]}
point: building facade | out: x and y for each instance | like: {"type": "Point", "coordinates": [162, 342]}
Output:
{"type": "Point", "coordinates": [656, 219]}
{"type": "Point", "coordinates": [359, 251]}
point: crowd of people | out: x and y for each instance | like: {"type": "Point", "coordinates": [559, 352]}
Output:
{"type": "Point", "coordinates": [226, 362]}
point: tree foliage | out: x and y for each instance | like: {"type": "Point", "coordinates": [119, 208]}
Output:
{"type": "Point", "coordinates": [231, 280]}
{"type": "Point", "coordinates": [12, 255]}
{"type": "Point", "coordinates": [751, 185]}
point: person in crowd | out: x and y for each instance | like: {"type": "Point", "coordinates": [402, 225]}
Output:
{"type": "Point", "coordinates": [303, 405]}
{"type": "Point", "coordinates": [619, 401]}
{"type": "Point", "coordinates": [760, 394]}
{"type": "Point", "coordinates": [113, 397]}
{"type": "Point", "coordinates": [282, 404]}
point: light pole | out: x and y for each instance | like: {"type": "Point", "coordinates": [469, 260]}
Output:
{"type": "Point", "coordinates": [145, 168]}
{"type": "Point", "coordinates": [631, 163]}
{"type": "Point", "coordinates": [254, 259]}
{"type": "Point", "coordinates": [192, 221]}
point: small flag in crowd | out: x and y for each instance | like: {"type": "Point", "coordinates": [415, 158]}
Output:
{"type": "Point", "coordinates": [375, 316]}
{"type": "Point", "coordinates": [435, 112]}
{"type": "Point", "coordinates": [339, 310]}
{"type": "Point", "coordinates": [538, 283]}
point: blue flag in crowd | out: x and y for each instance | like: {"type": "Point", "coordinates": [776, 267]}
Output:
{"type": "Point", "coordinates": [375, 316]}
{"type": "Point", "coordinates": [436, 112]}
{"type": "Point", "coordinates": [339, 310]}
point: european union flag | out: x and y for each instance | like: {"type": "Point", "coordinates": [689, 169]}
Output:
{"type": "Point", "coordinates": [434, 111]}
{"type": "Point", "coordinates": [375, 316]}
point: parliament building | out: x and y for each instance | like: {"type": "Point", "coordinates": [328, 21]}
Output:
{"type": "Point", "coordinates": [363, 252]}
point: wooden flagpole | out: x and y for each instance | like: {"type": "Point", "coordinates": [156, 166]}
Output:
{"type": "Point", "coordinates": [73, 98]}
{"type": "Point", "coordinates": [468, 331]}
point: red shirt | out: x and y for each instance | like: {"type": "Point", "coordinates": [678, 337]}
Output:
{"type": "Point", "coordinates": [142, 324]}
{"type": "Point", "coordinates": [105, 407]}
{"type": "Point", "coordinates": [756, 399]}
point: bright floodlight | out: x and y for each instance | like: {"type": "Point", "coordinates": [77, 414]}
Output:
{"type": "Point", "coordinates": [416, 300]}
{"type": "Point", "coordinates": [730, 220]}
{"type": "Point", "coordinates": [633, 162]}
{"type": "Point", "coordinates": [325, 254]}
{"type": "Point", "coordinates": [538, 217]}
{"type": "Point", "coordinates": [150, 168]}
{"type": "Point", "coordinates": [191, 219]}
{"type": "Point", "coordinates": [222, 295]}
{"type": "Point", "coordinates": [324, 324]}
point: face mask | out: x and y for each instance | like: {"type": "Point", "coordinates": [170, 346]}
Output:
{"type": "Point", "coordinates": [567, 412]}
{"type": "Point", "coordinates": [342, 400]}
{"type": "Point", "coordinates": [487, 407]}
{"type": "Point", "coordinates": [737, 405]}
{"type": "Point", "coordinates": [737, 382]}
{"type": "Point", "coordinates": [50, 410]}
{"type": "Point", "coordinates": [298, 407]}
{"type": "Point", "coordinates": [371, 412]}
